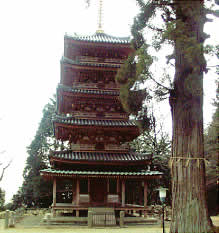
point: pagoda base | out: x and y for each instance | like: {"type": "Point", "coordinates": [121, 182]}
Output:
{"type": "Point", "coordinates": [84, 207]}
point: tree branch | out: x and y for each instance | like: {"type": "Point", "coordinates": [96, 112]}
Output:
{"type": "Point", "coordinates": [212, 12]}
{"type": "Point", "coordinates": [155, 28]}
{"type": "Point", "coordinates": [170, 57]}
{"type": "Point", "coordinates": [3, 170]}
{"type": "Point", "coordinates": [159, 84]}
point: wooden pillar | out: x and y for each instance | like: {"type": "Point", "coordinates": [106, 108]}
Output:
{"type": "Point", "coordinates": [54, 191]}
{"type": "Point", "coordinates": [77, 191]}
{"type": "Point", "coordinates": [88, 188]}
{"type": "Point", "coordinates": [145, 193]}
{"type": "Point", "coordinates": [145, 196]}
{"type": "Point", "coordinates": [73, 191]}
{"type": "Point", "coordinates": [88, 185]}
{"type": "Point", "coordinates": [117, 186]}
{"type": "Point", "coordinates": [141, 202]}
{"type": "Point", "coordinates": [108, 186]}
{"type": "Point", "coordinates": [123, 193]}
{"type": "Point", "coordinates": [77, 195]}
{"type": "Point", "coordinates": [54, 196]}
{"type": "Point", "coordinates": [118, 189]}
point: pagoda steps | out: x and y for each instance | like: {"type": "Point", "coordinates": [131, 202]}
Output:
{"type": "Point", "coordinates": [103, 216]}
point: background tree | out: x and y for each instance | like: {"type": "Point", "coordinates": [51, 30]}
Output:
{"type": "Point", "coordinates": [211, 153]}
{"type": "Point", "coordinates": [17, 201]}
{"type": "Point", "coordinates": [2, 199]}
{"type": "Point", "coordinates": [156, 142]}
{"type": "Point", "coordinates": [211, 142]}
{"type": "Point", "coordinates": [35, 191]}
{"type": "Point", "coordinates": [182, 27]}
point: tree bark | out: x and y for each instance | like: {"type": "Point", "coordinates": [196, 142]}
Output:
{"type": "Point", "coordinates": [189, 207]}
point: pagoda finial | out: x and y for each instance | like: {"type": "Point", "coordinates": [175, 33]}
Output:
{"type": "Point", "coordinates": [100, 30]}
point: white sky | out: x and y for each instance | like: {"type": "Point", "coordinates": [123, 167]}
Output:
{"type": "Point", "coordinates": [31, 46]}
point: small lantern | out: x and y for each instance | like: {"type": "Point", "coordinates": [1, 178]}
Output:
{"type": "Point", "coordinates": [162, 194]}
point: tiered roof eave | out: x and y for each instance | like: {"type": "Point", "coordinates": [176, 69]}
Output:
{"type": "Point", "coordinates": [100, 157]}
{"type": "Point", "coordinates": [99, 38]}
{"type": "Point", "coordinates": [50, 173]}
{"type": "Point", "coordinates": [69, 125]}
{"type": "Point", "coordinates": [98, 145]}
{"type": "Point", "coordinates": [80, 91]}
{"type": "Point", "coordinates": [79, 64]}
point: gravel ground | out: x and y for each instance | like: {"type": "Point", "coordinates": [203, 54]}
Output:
{"type": "Point", "coordinates": [32, 224]}
{"type": "Point", "coordinates": [85, 230]}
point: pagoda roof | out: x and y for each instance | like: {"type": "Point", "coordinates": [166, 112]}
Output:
{"type": "Point", "coordinates": [125, 174]}
{"type": "Point", "coordinates": [74, 62]}
{"type": "Point", "coordinates": [100, 38]}
{"type": "Point", "coordinates": [86, 91]}
{"type": "Point", "coordinates": [88, 122]}
{"type": "Point", "coordinates": [99, 156]}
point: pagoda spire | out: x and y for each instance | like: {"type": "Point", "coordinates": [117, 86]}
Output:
{"type": "Point", "coordinates": [100, 17]}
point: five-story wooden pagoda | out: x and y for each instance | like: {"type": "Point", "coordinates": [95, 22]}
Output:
{"type": "Point", "coordinates": [98, 169]}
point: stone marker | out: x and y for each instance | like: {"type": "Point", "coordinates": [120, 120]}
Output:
{"type": "Point", "coordinates": [122, 218]}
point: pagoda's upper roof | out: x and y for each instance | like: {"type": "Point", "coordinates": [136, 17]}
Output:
{"type": "Point", "coordinates": [87, 91]}
{"type": "Point", "coordinates": [100, 38]}
{"type": "Point", "coordinates": [74, 121]}
{"type": "Point", "coordinates": [93, 64]}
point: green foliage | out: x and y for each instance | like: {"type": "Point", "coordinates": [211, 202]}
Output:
{"type": "Point", "coordinates": [9, 206]}
{"type": "Point", "coordinates": [211, 153]}
{"type": "Point", "coordinates": [146, 12]}
{"type": "Point", "coordinates": [17, 200]}
{"type": "Point", "coordinates": [2, 199]}
{"type": "Point", "coordinates": [156, 142]}
{"type": "Point", "coordinates": [179, 28]}
{"type": "Point", "coordinates": [130, 77]}
{"type": "Point", "coordinates": [211, 142]}
{"type": "Point", "coordinates": [35, 191]}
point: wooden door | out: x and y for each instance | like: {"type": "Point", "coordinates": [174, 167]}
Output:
{"type": "Point", "coordinates": [98, 191]}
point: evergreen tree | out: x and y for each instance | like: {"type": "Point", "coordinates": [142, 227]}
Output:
{"type": "Point", "coordinates": [211, 153]}
{"type": "Point", "coordinates": [211, 142]}
{"type": "Point", "coordinates": [36, 191]}
{"type": "Point", "coordinates": [17, 201]}
{"type": "Point", "coordinates": [156, 142]}
{"type": "Point", "coordinates": [182, 27]}
{"type": "Point", "coordinates": [2, 199]}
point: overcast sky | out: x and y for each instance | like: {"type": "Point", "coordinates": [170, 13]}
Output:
{"type": "Point", "coordinates": [31, 46]}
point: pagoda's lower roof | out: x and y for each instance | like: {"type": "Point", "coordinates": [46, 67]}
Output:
{"type": "Point", "coordinates": [100, 38]}
{"type": "Point", "coordinates": [68, 128]}
{"type": "Point", "coordinates": [87, 122]}
{"type": "Point", "coordinates": [101, 174]}
{"type": "Point", "coordinates": [86, 91]}
{"type": "Point", "coordinates": [99, 156]}
{"type": "Point", "coordinates": [73, 62]}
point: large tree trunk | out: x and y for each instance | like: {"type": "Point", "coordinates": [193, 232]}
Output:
{"type": "Point", "coordinates": [189, 207]}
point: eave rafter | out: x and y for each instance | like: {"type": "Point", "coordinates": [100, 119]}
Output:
{"type": "Point", "coordinates": [99, 158]}
{"type": "Point", "coordinates": [50, 173]}
{"type": "Point", "coordinates": [71, 133]}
